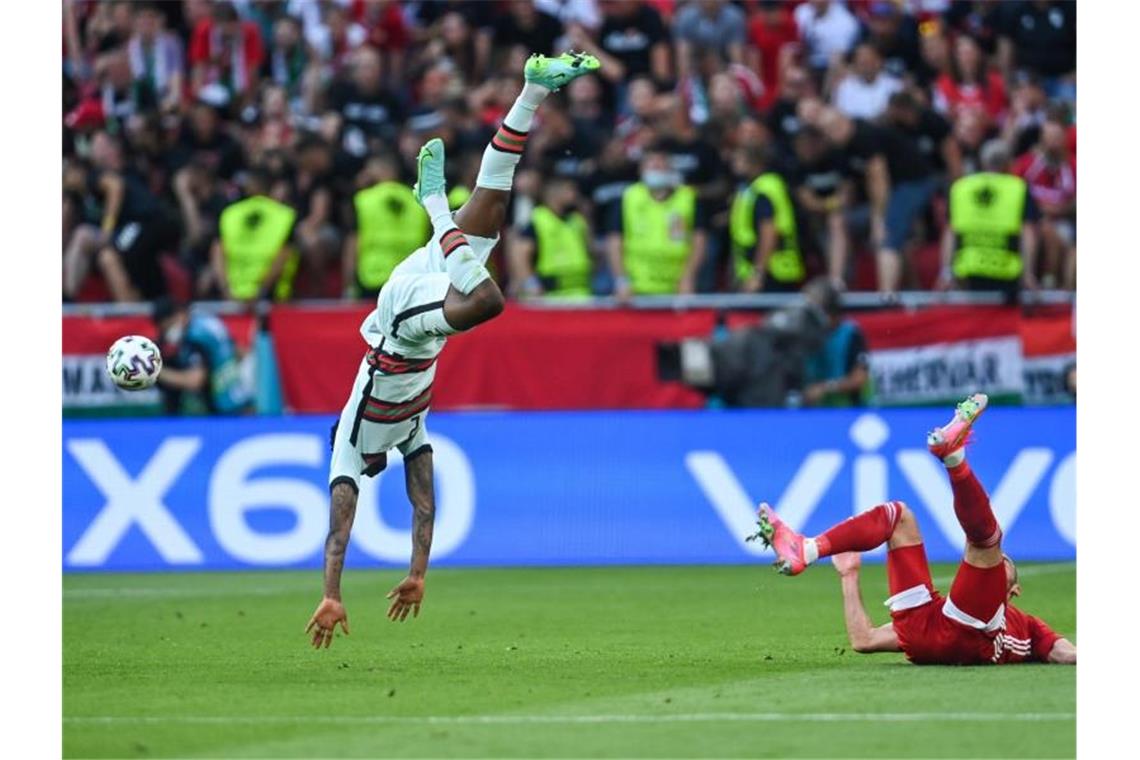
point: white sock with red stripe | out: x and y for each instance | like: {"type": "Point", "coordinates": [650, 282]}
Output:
{"type": "Point", "coordinates": [497, 172]}
{"type": "Point", "coordinates": [462, 265]}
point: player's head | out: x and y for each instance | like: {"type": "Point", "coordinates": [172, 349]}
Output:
{"type": "Point", "coordinates": [1013, 587]}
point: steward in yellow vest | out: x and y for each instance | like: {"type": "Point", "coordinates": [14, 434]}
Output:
{"type": "Point", "coordinates": [252, 258]}
{"type": "Point", "coordinates": [658, 244]}
{"type": "Point", "coordinates": [552, 255]}
{"type": "Point", "coordinates": [762, 225]}
{"type": "Point", "coordinates": [390, 226]}
{"type": "Point", "coordinates": [990, 241]}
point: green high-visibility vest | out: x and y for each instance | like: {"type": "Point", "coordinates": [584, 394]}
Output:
{"type": "Point", "coordinates": [562, 252]}
{"type": "Point", "coordinates": [253, 231]}
{"type": "Point", "coordinates": [986, 214]}
{"type": "Point", "coordinates": [390, 225]}
{"type": "Point", "coordinates": [786, 264]}
{"type": "Point", "coordinates": [657, 237]}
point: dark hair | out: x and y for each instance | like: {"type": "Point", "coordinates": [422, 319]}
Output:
{"type": "Point", "coordinates": [225, 12]}
{"type": "Point", "coordinates": [903, 99]}
{"type": "Point", "coordinates": [166, 307]}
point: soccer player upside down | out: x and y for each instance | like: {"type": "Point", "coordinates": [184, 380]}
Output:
{"type": "Point", "coordinates": [439, 290]}
{"type": "Point", "coordinates": [975, 623]}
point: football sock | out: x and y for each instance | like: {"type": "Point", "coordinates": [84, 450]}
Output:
{"type": "Point", "coordinates": [497, 172]}
{"type": "Point", "coordinates": [972, 507]}
{"type": "Point", "coordinates": [859, 533]}
{"type": "Point", "coordinates": [463, 267]}
{"type": "Point", "coordinates": [954, 458]}
{"type": "Point", "coordinates": [438, 211]}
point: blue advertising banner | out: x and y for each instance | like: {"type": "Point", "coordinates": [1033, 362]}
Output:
{"type": "Point", "coordinates": [554, 488]}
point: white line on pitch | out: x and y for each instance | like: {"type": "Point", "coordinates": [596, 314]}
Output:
{"type": "Point", "coordinates": [766, 717]}
{"type": "Point", "coordinates": [1025, 572]}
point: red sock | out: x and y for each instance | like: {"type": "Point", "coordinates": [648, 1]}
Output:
{"type": "Point", "coordinates": [862, 532]}
{"type": "Point", "coordinates": [972, 507]}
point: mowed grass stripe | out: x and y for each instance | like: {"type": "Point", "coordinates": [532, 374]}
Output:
{"type": "Point", "coordinates": [764, 717]}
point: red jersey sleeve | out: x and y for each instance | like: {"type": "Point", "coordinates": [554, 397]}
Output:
{"type": "Point", "coordinates": [1043, 638]}
{"type": "Point", "coordinates": [200, 42]}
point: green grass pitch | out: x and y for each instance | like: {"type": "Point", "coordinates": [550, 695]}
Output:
{"type": "Point", "coordinates": [586, 662]}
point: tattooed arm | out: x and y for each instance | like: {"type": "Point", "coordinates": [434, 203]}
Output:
{"type": "Point", "coordinates": [331, 611]}
{"type": "Point", "coordinates": [419, 479]}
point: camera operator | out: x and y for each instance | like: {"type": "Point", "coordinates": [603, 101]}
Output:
{"type": "Point", "coordinates": [838, 372]}
{"type": "Point", "coordinates": [805, 354]}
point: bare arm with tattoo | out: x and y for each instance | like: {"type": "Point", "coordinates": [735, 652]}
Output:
{"type": "Point", "coordinates": [419, 480]}
{"type": "Point", "coordinates": [331, 610]}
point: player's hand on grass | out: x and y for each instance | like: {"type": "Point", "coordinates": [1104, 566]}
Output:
{"type": "Point", "coordinates": [323, 622]}
{"type": "Point", "coordinates": [406, 597]}
{"type": "Point", "coordinates": [847, 563]}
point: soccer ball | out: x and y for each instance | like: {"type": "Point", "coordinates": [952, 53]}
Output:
{"type": "Point", "coordinates": [134, 362]}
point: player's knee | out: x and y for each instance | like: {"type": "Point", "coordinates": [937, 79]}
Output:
{"type": "Point", "coordinates": [906, 526]}
{"type": "Point", "coordinates": [344, 494]}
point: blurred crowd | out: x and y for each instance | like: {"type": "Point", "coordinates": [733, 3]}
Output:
{"type": "Point", "coordinates": [266, 148]}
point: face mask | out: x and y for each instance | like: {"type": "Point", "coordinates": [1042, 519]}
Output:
{"type": "Point", "coordinates": [656, 179]}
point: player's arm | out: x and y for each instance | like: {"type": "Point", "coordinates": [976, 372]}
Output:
{"type": "Point", "coordinates": [1064, 652]}
{"type": "Point", "coordinates": [419, 478]}
{"type": "Point", "coordinates": [864, 636]}
{"type": "Point", "coordinates": [189, 379]}
{"type": "Point", "coordinates": [331, 610]}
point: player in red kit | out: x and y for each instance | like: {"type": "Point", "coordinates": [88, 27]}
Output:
{"type": "Point", "coordinates": [975, 623]}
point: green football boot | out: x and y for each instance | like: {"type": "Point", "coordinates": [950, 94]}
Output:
{"type": "Point", "coordinates": [429, 171]}
{"type": "Point", "coordinates": [556, 73]}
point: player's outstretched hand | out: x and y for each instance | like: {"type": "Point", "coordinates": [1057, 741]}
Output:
{"type": "Point", "coordinates": [406, 597]}
{"type": "Point", "coordinates": [847, 562]}
{"type": "Point", "coordinates": [321, 624]}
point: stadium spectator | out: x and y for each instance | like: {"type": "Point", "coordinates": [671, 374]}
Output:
{"type": "Point", "coordinates": [969, 84]}
{"type": "Point", "coordinates": [524, 24]}
{"type": "Point", "coordinates": [201, 363]}
{"type": "Point", "coordinates": [632, 41]}
{"type": "Point", "coordinates": [828, 31]}
{"type": "Point", "coordinates": [705, 27]}
{"type": "Point", "coordinates": [765, 237]}
{"type": "Point", "coordinates": [1051, 174]}
{"type": "Point", "coordinates": [863, 93]}
{"type": "Point", "coordinates": [314, 199]}
{"type": "Point", "coordinates": [657, 238]}
{"type": "Point", "coordinates": [929, 131]}
{"type": "Point", "coordinates": [894, 35]}
{"type": "Point", "coordinates": [783, 117]}
{"type": "Point", "coordinates": [551, 255]}
{"type": "Point", "coordinates": [200, 203]}
{"type": "Point", "coordinates": [292, 66]}
{"type": "Point", "coordinates": [252, 257]}
{"type": "Point", "coordinates": [823, 193]}
{"type": "Point", "coordinates": [1027, 112]}
{"type": "Point", "coordinates": [203, 140]}
{"type": "Point", "coordinates": [773, 35]}
{"type": "Point", "coordinates": [156, 58]}
{"type": "Point", "coordinates": [1041, 36]}
{"type": "Point", "coordinates": [228, 51]}
{"type": "Point", "coordinates": [389, 225]}
{"type": "Point", "coordinates": [990, 242]}
{"type": "Point", "coordinates": [133, 229]}
{"type": "Point", "coordinates": [370, 112]}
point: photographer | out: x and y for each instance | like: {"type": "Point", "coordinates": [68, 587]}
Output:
{"type": "Point", "coordinates": [804, 354]}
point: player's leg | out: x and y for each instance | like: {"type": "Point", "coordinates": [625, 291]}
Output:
{"type": "Point", "coordinates": [980, 587]}
{"type": "Point", "coordinates": [485, 211]}
{"type": "Point", "coordinates": [892, 523]}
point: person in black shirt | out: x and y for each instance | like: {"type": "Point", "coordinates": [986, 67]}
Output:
{"type": "Point", "coordinates": [900, 182]}
{"type": "Point", "coordinates": [133, 227]}
{"type": "Point", "coordinates": [315, 202]}
{"type": "Point", "coordinates": [930, 132]}
{"type": "Point", "coordinates": [523, 24]}
{"type": "Point", "coordinates": [604, 187]}
{"type": "Point", "coordinates": [1041, 36]}
{"type": "Point", "coordinates": [895, 36]}
{"type": "Point", "coordinates": [371, 114]}
{"type": "Point", "coordinates": [632, 41]}
{"type": "Point", "coordinates": [822, 190]}
{"type": "Point", "coordinates": [203, 142]}
{"type": "Point", "coordinates": [783, 121]}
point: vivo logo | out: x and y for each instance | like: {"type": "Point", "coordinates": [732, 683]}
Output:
{"type": "Point", "coordinates": [871, 474]}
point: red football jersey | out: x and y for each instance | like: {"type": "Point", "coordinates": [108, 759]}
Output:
{"type": "Point", "coordinates": [929, 637]}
